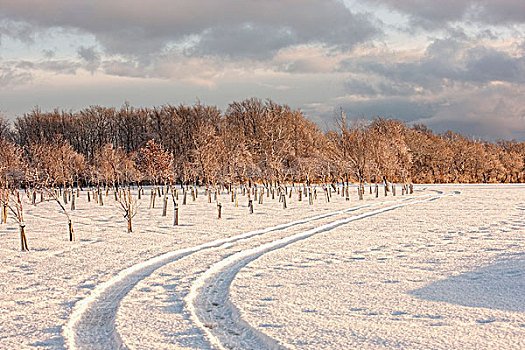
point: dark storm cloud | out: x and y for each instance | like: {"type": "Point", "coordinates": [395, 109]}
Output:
{"type": "Point", "coordinates": [432, 14]}
{"type": "Point", "coordinates": [232, 27]}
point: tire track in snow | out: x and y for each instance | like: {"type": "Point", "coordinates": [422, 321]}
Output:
{"type": "Point", "coordinates": [208, 299]}
{"type": "Point", "coordinates": [92, 322]}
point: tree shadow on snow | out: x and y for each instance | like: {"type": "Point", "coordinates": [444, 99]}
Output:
{"type": "Point", "coordinates": [498, 286]}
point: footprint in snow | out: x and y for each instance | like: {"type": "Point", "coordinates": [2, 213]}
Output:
{"type": "Point", "coordinates": [309, 311]}
{"type": "Point", "coordinates": [485, 321]}
{"type": "Point", "coordinates": [398, 313]}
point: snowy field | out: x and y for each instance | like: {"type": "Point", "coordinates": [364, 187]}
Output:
{"type": "Point", "coordinates": [443, 268]}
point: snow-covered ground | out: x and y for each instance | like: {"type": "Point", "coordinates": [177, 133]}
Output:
{"type": "Point", "coordinates": [442, 268]}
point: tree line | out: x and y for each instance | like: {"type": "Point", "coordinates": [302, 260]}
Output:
{"type": "Point", "coordinates": [251, 141]}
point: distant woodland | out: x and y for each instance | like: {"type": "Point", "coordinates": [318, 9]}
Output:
{"type": "Point", "coordinates": [252, 141]}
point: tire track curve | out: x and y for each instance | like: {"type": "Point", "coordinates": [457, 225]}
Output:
{"type": "Point", "coordinates": [208, 299]}
{"type": "Point", "coordinates": [91, 324]}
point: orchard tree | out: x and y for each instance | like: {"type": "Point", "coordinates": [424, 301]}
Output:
{"type": "Point", "coordinates": [114, 166]}
{"type": "Point", "coordinates": [12, 165]}
{"type": "Point", "coordinates": [56, 164]}
{"type": "Point", "coordinates": [154, 163]}
{"type": "Point", "coordinates": [389, 150]}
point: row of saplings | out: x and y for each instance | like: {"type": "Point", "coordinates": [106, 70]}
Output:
{"type": "Point", "coordinates": [65, 198]}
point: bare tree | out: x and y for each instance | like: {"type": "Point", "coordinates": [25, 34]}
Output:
{"type": "Point", "coordinates": [128, 205]}
{"type": "Point", "coordinates": [14, 203]}
{"type": "Point", "coordinates": [155, 163]}
{"type": "Point", "coordinates": [56, 165]}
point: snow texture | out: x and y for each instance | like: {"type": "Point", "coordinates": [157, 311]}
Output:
{"type": "Point", "coordinates": [441, 269]}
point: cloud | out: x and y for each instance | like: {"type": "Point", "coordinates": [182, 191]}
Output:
{"type": "Point", "coordinates": [10, 77]}
{"type": "Point", "coordinates": [21, 72]}
{"type": "Point", "coordinates": [48, 53]}
{"type": "Point", "coordinates": [457, 83]}
{"type": "Point", "coordinates": [490, 112]}
{"type": "Point", "coordinates": [306, 59]}
{"type": "Point", "coordinates": [431, 14]}
{"type": "Point", "coordinates": [20, 30]}
{"type": "Point", "coordinates": [90, 56]}
{"type": "Point", "coordinates": [445, 63]}
{"type": "Point", "coordinates": [465, 70]}
{"type": "Point", "coordinates": [496, 111]}
{"type": "Point", "coordinates": [232, 28]}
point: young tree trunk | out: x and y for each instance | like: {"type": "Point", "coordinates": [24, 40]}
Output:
{"type": "Point", "coordinates": [250, 205]}
{"type": "Point", "coordinates": [152, 199]}
{"type": "Point", "coordinates": [165, 205]}
{"type": "Point", "coordinates": [130, 227]}
{"type": "Point", "coordinates": [70, 226]}
{"type": "Point", "coordinates": [176, 214]}
{"type": "Point", "coordinates": [23, 238]}
{"type": "Point", "coordinates": [4, 214]}
{"type": "Point", "coordinates": [219, 209]}
{"type": "Point", "coordinates": [73, 202]}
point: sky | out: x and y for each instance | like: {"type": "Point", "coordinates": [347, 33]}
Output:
{"type": "Point", "coordinates": [448, 64]}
